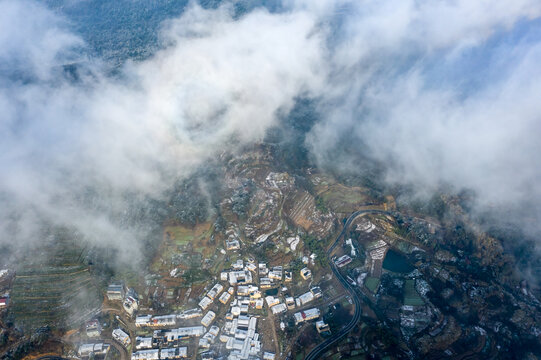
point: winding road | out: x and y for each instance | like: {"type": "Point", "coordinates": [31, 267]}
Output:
{"type": "Point", "coordinates": [320, 349]}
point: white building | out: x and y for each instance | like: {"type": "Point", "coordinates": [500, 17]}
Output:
{"type": "Point", "coordinates": [174, 353]}
{"type": "Point", "coordinates": [255, 294]}
{"type": "Point", "coordinates": [316, 291]}
{"type": "Point", "coordinates": [290, 302]}
{"type": "Point", "coordinates": [232, 244]}
{"type": "Point", "coordinates": [275, 274]}
{"type": "Point", "coordinates": [143, 343]}
{"type": "Point", "coordinates": [353, 250]}
{"type": "Point", "coordinates": [208, 318]}
{"type": "Point", "coordinates": [263, 270]}
{"type": "Point", "coordinates": [143, 320]}
{"type": "Point", "coordinates": [115, 292]}
{"type": "Point", "coordinates": [243, 290]}
{"type": "Point", "coordinates": [152, 354]}
{"type": "Point", "coordinates": [265, 283]}
{"type": "Point", "coordinates": [190, 314]}
{"type": "Point", "coordinates": [225, 297]}
{"type": "Point", "coordinates": [214, 330]}
{"type": "Point", "coordinates": [235, 310]}
{"type": "Point", "coordinates": [215, 291]}
{"type": "Point", "coordinates": [163, 320]}
{"type": "Point", "coordinates": [306, 298]}
{"type": "Point", "coordinates": [251, 267]}
{"type": "Point", "coordinates": [321, 326]}
{"type": "Point", "coordinates": [179, 333]}
{"type": "Point", "coordinates": [240, 277]}
{"type": "Point", "coordinates": [86, 350]}
{"type": "Point", "coordinates": [205, 303]}
{"type": "Point", "coordinates": [280, 308]}
{"type": "Point", "coordinates": [306, 315]}
{"type": "Point", "coordinates": [271, 301]}
{"type": "Point", "coordinates": [306, 273]}
{"type": "Point", "coordinates": [288, 276]}
{"type": "Point", "coordinates": [259, 304]}
{"type": "Point", "coordinates": [130, 305]}
{"type": "Point", "coordinates": [342, 261]}
{"type": "Point", "coordinates": [93, 328]}
{"type": "Point", "coordinates": [204, 343]}
{"type": "Point", "coordinates": [121, 337]}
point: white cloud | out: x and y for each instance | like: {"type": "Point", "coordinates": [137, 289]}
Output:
{"type": "Point", "coordinates": [218, 84]}
{"type": "Point", "coordinates": [220, 81]}
{"type": "Point", "coordinates": [389, 64]}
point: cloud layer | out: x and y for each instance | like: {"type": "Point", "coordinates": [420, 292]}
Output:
{"type": "Point", "coordinates": [217, 84]}
{"type": "Point", "coordinates": [441, 92]}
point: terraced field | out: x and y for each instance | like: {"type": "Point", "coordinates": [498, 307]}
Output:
{"type": "Point", "coordinates": [58, 293]}
{"type": "Point", "coordinates": [338, 197]}
{"type": "Point", "coordinates": [303, 207]}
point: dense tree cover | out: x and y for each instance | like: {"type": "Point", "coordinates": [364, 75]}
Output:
{"type": "Point", "coordinates": [189, 205]}
{"type": "Point", "coordinates": [460, 236]}
{"type": "Point", "coordinates": [264, 251]}
{"type": "Point", "coordinates": [37, 339]}
{"type": "Point", "coordinates": [4, 337]}
{"type": "Point", "coordinates": [240, 200]}
{"type": "Point", "coordinates": [516, 242]}
{"type": "Point", "coordinates": [195, 274]}
{"type": "Point", "coordinates": [316, 246]}
{"type": "Point", "coordinates": [295, 266]}
{"type": "Point", "coordinates": [289, 136]}
{"type": "Point", "coordinates": [320, 205]}
{"type": "Point", "coordinates": [194, 199]}
{"type": "Point", "coordinates": [392, 286]}
{"type": "Point", "coordinates": [410, 228]}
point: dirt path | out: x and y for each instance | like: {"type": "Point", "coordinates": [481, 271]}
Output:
{"type": "Point", "coordinates": [275, 338]}
{"type": "Point", "coordinates": [123, 352]}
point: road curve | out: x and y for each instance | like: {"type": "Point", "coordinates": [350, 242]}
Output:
{"type": "Point", "coordinates": [323, 347]}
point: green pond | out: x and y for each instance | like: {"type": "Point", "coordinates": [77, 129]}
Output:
{"type": "Point", "coordinates": [397, 262]}
{"type": "Point", "coordinates": [271, 292]}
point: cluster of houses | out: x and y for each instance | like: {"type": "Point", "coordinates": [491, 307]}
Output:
{"type": "Point", "coordinates": [156, 354]}
{"type": "Point", "coordinates": [93, 350]}
{"type": "Point", "coordinates": [164, 343]}
{"type": "Point", "coordinates": [99, 350]}
{"type": "Point", "coordinates": [155, 321]}
{"type": "Point", "coordinates": [240, 330]}
{"type": "Point", "coordinates": [232, 242]}
{"type": "Point", "coordinates": [243, 274]}
{"type": "Point", "coordinates": [291, 303]}
{"type": "Point", "coordinates": [129, 298]}
{"type": "Point", "coordinates": [237, 333]}
{"type": "Point", "coordinates": [166, 320]}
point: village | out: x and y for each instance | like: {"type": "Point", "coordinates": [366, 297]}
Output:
{"type": "Point", "coordinates": [252, 306]}
{"type": "Point", "coordinates": [279, 273]}
{"type": "Point", "coordinates": [227, 319]}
